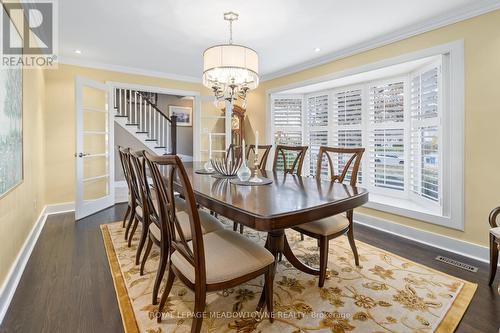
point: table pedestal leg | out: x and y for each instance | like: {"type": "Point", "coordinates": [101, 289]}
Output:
{"type": "Point", "coordinates": [277, 244]}
{"type": "Point", "coordinates": [287, 251]}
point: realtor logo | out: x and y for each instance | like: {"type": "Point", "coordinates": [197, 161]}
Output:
{"type": "Point", "coordinates": [29, 33]}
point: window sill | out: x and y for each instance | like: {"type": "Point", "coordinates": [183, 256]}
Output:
{"type": "Point", "coordinates": [409, 209]}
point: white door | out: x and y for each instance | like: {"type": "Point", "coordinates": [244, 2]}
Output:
{"type": "Point", "coordinates": [94, 147]}
{"type": "Point", "coordinates": [210, 120]}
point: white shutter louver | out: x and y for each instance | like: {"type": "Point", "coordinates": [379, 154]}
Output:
{"type": "Point", "coordinates": [424, 150]}
{"type": "Point", "coordinates": [317, 128]}
{"type": "Point", "coordinates": [347, 122]}
{"type": "Point", "coordinates": [386, 136]}
{"type": "Point", "coordinates": [287, 118]}
{"type": "Point", "coordinates": [287, 112]}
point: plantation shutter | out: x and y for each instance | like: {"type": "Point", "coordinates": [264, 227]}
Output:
{"type": "Point", "coordinates": [347, 125]}
{"type": "Point", "coordinates": [386, 135]}
{"type": "Point", "coordinates": [317, 128]}
{"type": "Point", "coordinates": [287, 121]}
{"type": "Point", "coordinates": [425, 132]}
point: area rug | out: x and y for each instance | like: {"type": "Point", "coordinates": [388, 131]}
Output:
{"type": "Point", "coordinates": [386, 293]}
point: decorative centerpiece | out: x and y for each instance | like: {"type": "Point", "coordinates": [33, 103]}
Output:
{"type": "Point", "coordinates": [244, 173]}
{"type": "Point", "coordinates": [227, 167]}
{"type": "Point", "coordinates": [255, 178]}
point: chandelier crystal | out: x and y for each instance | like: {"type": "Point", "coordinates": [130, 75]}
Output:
{"type": "Point", "coordinates": [230, 70]}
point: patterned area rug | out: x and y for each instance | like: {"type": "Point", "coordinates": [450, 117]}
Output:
{"type": "Point", "coordinates": [386, 294]}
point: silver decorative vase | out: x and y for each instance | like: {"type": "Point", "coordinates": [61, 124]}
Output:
{"type": "Point", "coordinates": [244, 173]}
{"type": "Point", "coordinates": [208, 166]}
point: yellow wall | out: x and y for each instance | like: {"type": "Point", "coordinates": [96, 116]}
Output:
{"type": "Point", "coordinates": [59, 122]}
{"type": "Point", "coordinates": [482, 114]}
{"type": "Point", "coordinates": [20, 208]}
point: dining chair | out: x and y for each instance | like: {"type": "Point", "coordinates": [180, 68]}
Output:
{"type": "Point", "coordinates": [233, 151]}
{"type": "Point", "coordinates": [134, 196]}
{"type": "Point", "coordinates": [263, 156]}
{"type": "Point", "coordinates": [250, 163]}
{"type": "Point", "coordinates": [122, 152]}
{"type": "Point", "coordinates": [290, 154]}
{"type": "Point", "coordinates": [347, 159]}
{"type": "Point", "coordinates": [208, 224]}
{"type": "Point", "coordinates": [215, 261]}
{"type": "Point", "coordinates": [293, 155]}
{"type": "Point", "coordinates": [494, 243]}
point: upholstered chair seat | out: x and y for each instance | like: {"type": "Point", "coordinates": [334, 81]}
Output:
{"type": "Point", "coordinates": [327, 226]}
{"type": "Point", "coordinates": [228, 255]}
{"type": "Point", "coordinates": [208, 224]}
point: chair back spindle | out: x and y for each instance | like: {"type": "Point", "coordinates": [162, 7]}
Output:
{"type": "Point", "coordinates": [297, 153]}
{"type": "Point", "coordinates": [352, 158]}
{"type": "Point", "coordinates": [263, 157]}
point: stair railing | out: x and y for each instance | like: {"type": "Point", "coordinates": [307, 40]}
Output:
{"type": "Point", "coordinates": [140, 111]}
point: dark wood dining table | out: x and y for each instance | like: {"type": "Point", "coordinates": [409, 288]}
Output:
{"type": "Point", "coordinates": [288, 201]}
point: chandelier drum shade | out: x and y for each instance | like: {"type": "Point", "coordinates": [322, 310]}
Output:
{"type": "Point", "coordinates": [225, 63]}
{"type": "Point", "coordinates": [230, 70]}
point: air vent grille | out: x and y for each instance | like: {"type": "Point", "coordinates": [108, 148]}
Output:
{"type": "Point", "coordinates": [457, 263]}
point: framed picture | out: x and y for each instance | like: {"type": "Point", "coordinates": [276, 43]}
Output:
{"type": "Point", "coordinates": [11, 125]}
{"type": "Point", "coordinates": [184, 114]}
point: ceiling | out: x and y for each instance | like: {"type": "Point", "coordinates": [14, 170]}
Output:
{"type": "Point", "coordinates": [167, 36]}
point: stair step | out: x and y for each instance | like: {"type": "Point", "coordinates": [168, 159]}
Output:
{"type": "Point", "coordinates": [160, 147]}
{"type": "Point", "coordinates": [150, 140]}
{"type": "Point", "coordinates": [132, 124]}
{"type": "Point", "coordinates": [141, 132]}
{"type": "Point", "coordinates": [120, 116]}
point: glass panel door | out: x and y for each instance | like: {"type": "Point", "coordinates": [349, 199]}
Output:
{"type": "Point", "coordinates": [215, 122]}
{"type": "Point", "coordinates": [94, 148]}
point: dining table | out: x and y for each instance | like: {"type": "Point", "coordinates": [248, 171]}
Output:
{"type": "Point", "coordinates": [289, 200]}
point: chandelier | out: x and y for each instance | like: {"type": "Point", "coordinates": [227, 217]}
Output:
{"type": "Point", "coordinates": [230, 70]}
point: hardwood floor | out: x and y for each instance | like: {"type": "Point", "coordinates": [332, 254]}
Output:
{"type": "Point", "coordinates": [67, 285]}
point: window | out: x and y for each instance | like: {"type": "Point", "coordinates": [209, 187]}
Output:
{"type": "Point", "coordinates": [287, 121]}
{"type": "Point", "coordinates": [317, 128]}
{"type": "Point", "coordinates": [425, 134]}
{"type": "Point", "coordinates": [409, 118]}
{"type": "Point", "coordinates": [386, 135]}
{"type": "Point", "coordinates": [347, 125]}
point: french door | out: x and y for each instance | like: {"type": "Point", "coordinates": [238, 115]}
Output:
{"type": "Point", "coordinates": [210, 120]}
{"type": "Point", "coordinates": [94, 152]}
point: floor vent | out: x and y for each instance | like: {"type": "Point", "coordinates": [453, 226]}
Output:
{"type": "Point", "coordinates": [456, 263]}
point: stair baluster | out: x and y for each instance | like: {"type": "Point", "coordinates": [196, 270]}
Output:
{"type": "Point", "coordinates": [140, 110]}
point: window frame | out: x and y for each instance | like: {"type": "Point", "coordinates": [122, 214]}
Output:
{"type": "Point", "coordinates": [451, 214]}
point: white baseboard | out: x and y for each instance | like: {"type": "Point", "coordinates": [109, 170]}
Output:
{"type": "Point", "coordinates": [60, 208]}
{"type": "Point", "coordinates": [463, 248]}
{"type": "Point", "coordinates": [15, 273]}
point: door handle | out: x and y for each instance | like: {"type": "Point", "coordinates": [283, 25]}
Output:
{"type": "Point", "coordinates": [81, 154]}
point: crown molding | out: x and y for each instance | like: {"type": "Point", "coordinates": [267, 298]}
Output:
{"type": "Point", "coordinates": [126, 69]}
{"type": "Point", "coordinates": [464, 13]}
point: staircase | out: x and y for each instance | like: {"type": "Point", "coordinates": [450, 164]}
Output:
{"type": "Point", "coordinates": [138, 113]}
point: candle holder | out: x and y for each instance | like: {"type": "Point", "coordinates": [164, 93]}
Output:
{"type": "Point", "coordinates": [255, 178]}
